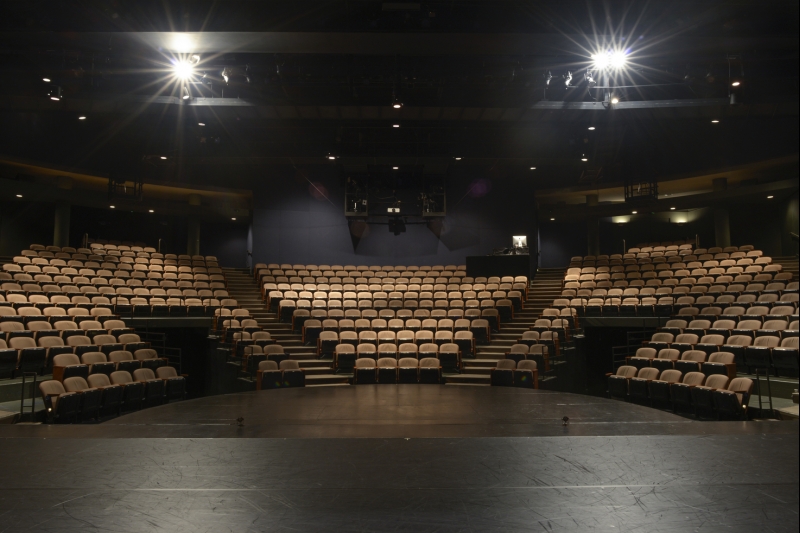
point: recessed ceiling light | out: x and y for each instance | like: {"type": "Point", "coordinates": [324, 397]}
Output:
{"type": "Point", "coordinates": [19, 196]}
{"type": "Point", "coordinates": [200, 124]}
{"type": "Point", "coordinates": [770, 197]}
{"type": "Point", "coordinates": [736, 83]}
{"type": "Point", "coordinates": [552, 219]}
{"type": "Point", "coordinates": [591, 128]}
{"type": "Point", "coordinates": [81, 117]}
{"type": "Point", "coordinates": [633, 212]}
{"type": "Point", "coordinates": [163, 157]}
{"type": "Point", "coordinates": [395, 125]}
{"type": "Point", "coordinates": [672, 209]}
{"type": "Point", "coordinates": [715, 121]}
{"type": "Point", "coordinates": [233, 218]}
{"type": "Point", "coordinates": [150, 211]}
{"type": "Point", "coordinates": [584, 158]}
{"type": "Point", "coordinates": [457, 158]}
{"type": "Point", "coordinates": [615, 100]}
{"type": "Point", "coordinates": [395, 168]}
{"type": "Point", "coordinates": [533, 168]}
{"type": "Point", "coordinates": [112, 207]}
{"type": "Point", "coordinates": [46, 80]}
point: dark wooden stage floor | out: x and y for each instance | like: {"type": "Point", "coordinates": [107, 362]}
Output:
{"type": "Point", "coordinates": [405, 458]}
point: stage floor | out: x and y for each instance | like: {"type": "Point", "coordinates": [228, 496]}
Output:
{"type": "Point", "coordinates": [407, 458]}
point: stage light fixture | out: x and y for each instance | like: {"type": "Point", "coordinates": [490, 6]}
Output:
{"type": "Point", "coordinates": [457, 158]}
{"type": "Point", "coordinates": [736, 83]}
{"type": "Point", "coordinates": [55, 93]}
{"type": "Point", "coordinates": [591, 128]}
{"type": "Point", "coordinates": [163, 157]}
{"type": "Point", "coordinates": [770, 197]}
{"type": "Point", "coordinates": [183, 69]}
{"type": "Point", "coordinates": [19, 196]}
{"type": "Point", "coordinates": [200, 124]}
{"type": "Point", "coordinates": [613, 58]}
{"type": "Point", "coordinates": [150, 211]}
{"type": "Point", "coordinates": [584, 158]}
{"type": "Point", "coordinates": [185, 94]}
{"type": "Point", "coordinates": [615, 100]}
{"type": "Point", "coordinates": [552, 219]}
{"type": "Point", "coordinates": [395, 168]}
{"type": "Point", "coordinates": [81, 117]}
{"type": "Point", "coordinates": [331, 156]}
{"type": "Point", "coordinates": [112, 207]}
{"type": "Point", "coordinates": [395, 125]}
{"type": "Point", "coordinates": [46, 80]}
{"type": "Point", "coordinates": [533, 168]}
{"type": "Point", "coordinates": [715, 121]}
{"type": "Point", "coordinates": [397, 104]}
{"type": "Point", "coordinates": [672, 209]}
{"type": "Point", "coordinates": [589, 77]}
{"type": "Point", "coordinates": [233, 218]}
{"type": "Point", "coordinates": [634, 212]}
{"type": "Point", "coordinates": [567, 78]}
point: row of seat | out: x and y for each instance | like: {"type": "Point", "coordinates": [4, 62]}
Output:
{"type": "Point", "coordinates": [716, 394]}
{"type": "Point", "coordinates": [359, 268]}
{"type": "Point", "coordinates": [668, 306]}
{"type": "Point", "coordinates": [750, 325]}
{"type": "Point", "coordinates": [512, 373]}
{"type": "Point", "coordinates": [122, 306]}
{"type": "Point", "coordinates": [78, 398]}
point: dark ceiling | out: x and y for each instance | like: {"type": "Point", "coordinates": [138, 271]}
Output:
{"type": "Point", "coordinates": [312, 78]}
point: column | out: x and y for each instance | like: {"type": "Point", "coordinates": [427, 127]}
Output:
{"type": "Point", "coordinates": [193, 226]}
{"type": "Point", "coordinates": [592, 228]}
{"type": "Point", "coordinates": [722, 222]}
{"type": "Point", "coordinates": [61, 226]}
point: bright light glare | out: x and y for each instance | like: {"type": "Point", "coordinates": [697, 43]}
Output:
{"type": "Point", "coordinates": [183, 69]}
{"type": "Point", "coordinates": [81, 117]}
{"type": "Point", "coordinates": [46, 80]}
{"type": "Point", "coordinates": [615, 100]}
{"type": "Point", "coordinates": [633, 212]}
{"type": "Point", "coordinates": [736, 83]}
{"type": "Point", "coordinates": [19, 196]}
{"type": "Point", "coordinates": [533, 168]}
{"type": "Point", "coordinates": [591, 128]}
{"type": "Point", "coordinates": [613, 58]}
{"type": "Point", "coordinates": [672, 209]}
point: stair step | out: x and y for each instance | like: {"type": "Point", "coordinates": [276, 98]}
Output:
{"type": "Point", "coordinates": [328, 379]}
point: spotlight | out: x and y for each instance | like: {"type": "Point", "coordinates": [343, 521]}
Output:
{"type": "Point", "coordinates": [589, 77]}
{"type": "Point", "coordinates": [46, 80]}
{"type": "Point", "coordinates": [233, 218]}
{"type": "Point", "coordinates": [552, 219]}
{"type": "Point", "coordinates": [672, 209]}
{"type": "Point", "coordinates": [19, 196]}
{"type": "Point", "coordinates": [584, 158]}
{"type": "Point", "coordinates": [770, 197]}
{"type": "Point", "coordinates": [736, 83]}
{"type": "Point", "coordinates": [615, 100]}
{"type": "Point", "coordinates": [331, 156]}
{"type": "Point", "coordinates": [54, 93]}
{"type": "Point", "coordinates": [183, 69]}
{"type": "Point", "coordinates": [397, 104]}
{"type": "Point", "coordinates": [200, 124]}
{"type": "Point", "coordinates": [395, 168]}
{"type": "Point", "coordinates": [567, 78]}
{"type": "Point", "coordinates": [395, 125]}
{"type": "Point", "coordinates": [185, 93]}
{"type": "Point", "coordinates": [614, 59]}
{"type": "Point", "coordinates": [150, 211]}
{"type": "Point", "coordinates": [633, 212]}
{"type": "Point", "coordinates": [81, 117]}
{"type": "Point", "coordinates": [591, 128]}
{"type": "Point", "coordinates": [163, 157]}
{"type": "Point", "coordinates": [715, 121]}
{"type": "Point", "coordinates": [457, 158]}
{"type": "Point", "coordinates": [112, 207]}
{"type": "Point", "coordinates": [533, 168]}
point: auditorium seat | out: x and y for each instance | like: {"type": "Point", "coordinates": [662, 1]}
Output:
{"type": "Point", "coordinates": [408, 369]}
{"type": "Point", "coordinates": [365, 372]}
{"type": "Point", "coordinates": [503, 374]}
{"type": "Point", "coordinates": [758, 356]}
{"type": "Point", "coordinates": [30, 357]}
{"type": "Point", "coordinates": [292, 374]}
{"type": "Point", "coordinates": [62, 407]}
{"type": "Point", "coordinates": [344, 358]}
{"type": "Point", "coordinates": [147, 357]}
{"type": "Point", "coordinates": [387, 370]}
{"type": "Point", "coordinates": [618, 382]}
{"type": "Point", "coordinates": [659, 389]}
{"type": "Point", "coordinates": [430, 370]}
{"type": "Point", "coordinates": [703, 395]}
{"type": "Point", "coordinates": [638, 386]}
{"type": "Point", "coordinates": [644, 356]}
{"type": "Point", "coordinates": [67, 365]}
{"type": "Point", "coordinates": [91, 399]}
{"type": "Point", "coordinates": [733, 400]}
{"type": "Point", "coordinates": [112, 395]}
{"type": "Point", "coordinates": [785, 357]}
{"type": "Point", "coordinates": [681, 393]}
{"type": "Point", "coordinates": [153, 387]}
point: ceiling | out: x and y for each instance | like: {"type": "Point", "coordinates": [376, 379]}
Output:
{"type": "Point", "coordinates": [310, 78]}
